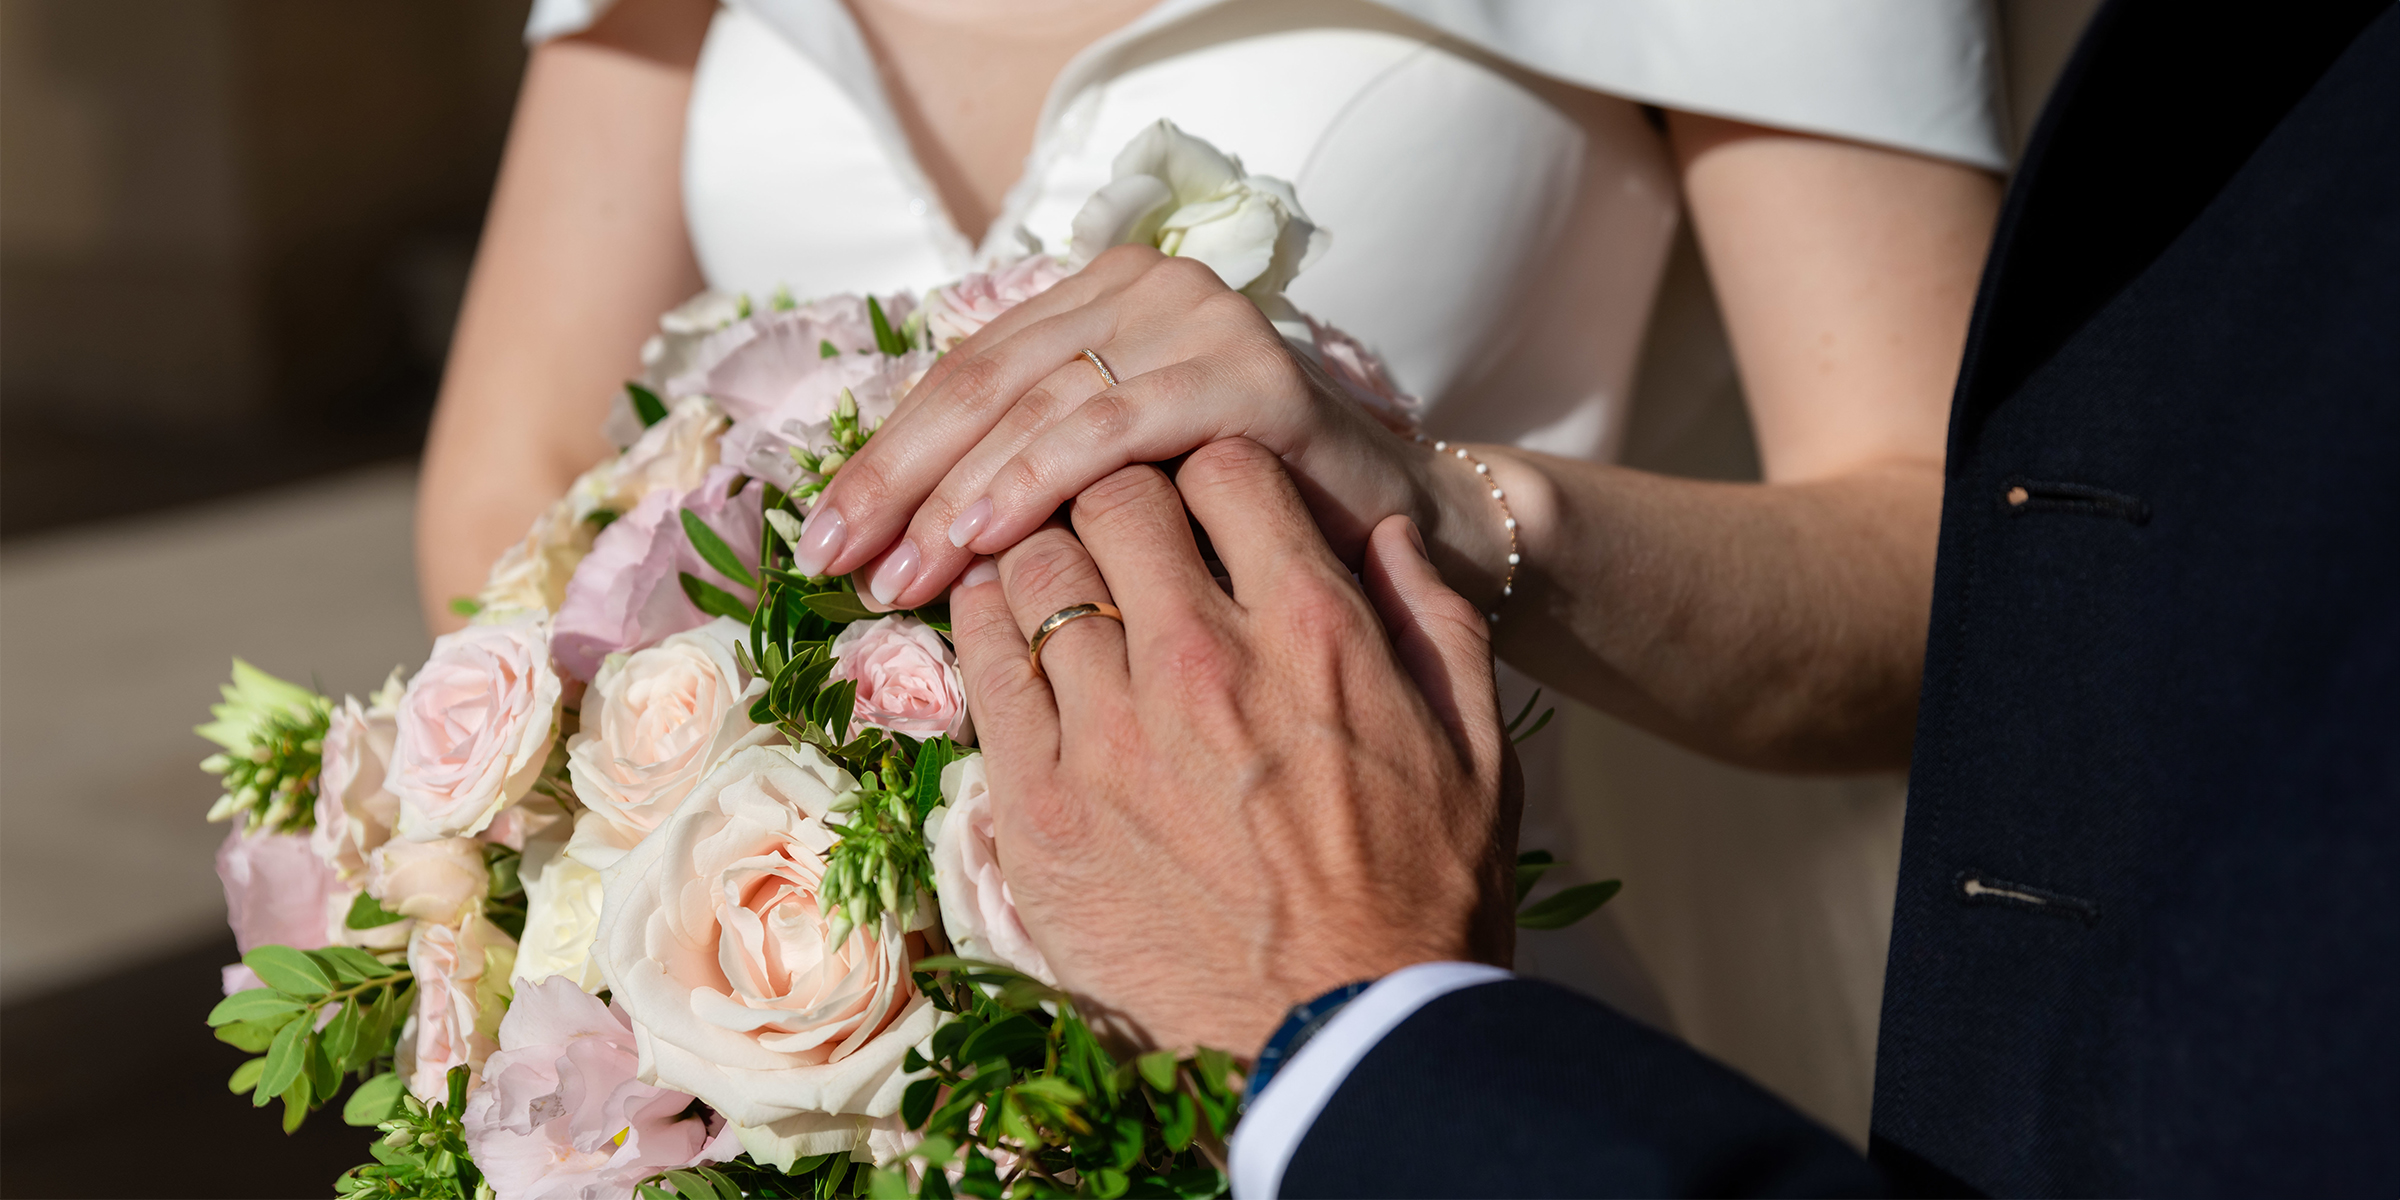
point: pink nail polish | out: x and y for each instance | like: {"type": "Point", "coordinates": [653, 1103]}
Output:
{"type": "Point", "coordinates": [984, 571]}
{"type": "Point", "coordinates": [971, 522]}
{"type": "Point", "coordinates": [895, 573]}
{"type": "Point", "coordinates": [820, 540]}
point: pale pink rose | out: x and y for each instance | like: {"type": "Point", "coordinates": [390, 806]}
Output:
{"type": "Point", "coordinates": [462, 991]}
{"type": "Point", "coordinates": [714, 940]}
{"type": "Point", "coordinates": [907, 677]}
{"type": "Point", "coordinates": [355, 811]}
{"type": "Point", "coordinates": [437, 881]}
{"type": "Point", "coordinates": [475, 727]}
{"type": "Point", "coordinates": [762, 443]}
{"type": "Point", "coordinates": [754, 365]}
{"type": "Point", "coordinates": [978, 913]}
{"type": "Point", "coordinates": [628, 593]}
{"type": "Point", "coordinates": [954, 313]}
{"type": "Point", "coordinates": [561, 1113]}
{"type": "Point", "coordinates": [278, 892]}
{"type": "Point", "coordinates": [1361, 374]}
{"type": "Point", "coordinates": [522, 820]}
{"type": "Point", "coordinates": [656, 721]}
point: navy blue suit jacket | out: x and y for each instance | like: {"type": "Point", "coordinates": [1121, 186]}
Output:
{"type": "Point", "coordinates": [2148, 928]}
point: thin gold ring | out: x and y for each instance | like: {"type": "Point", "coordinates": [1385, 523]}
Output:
{"type": "Point", "coordinates": [1060, 620]}
{"type": "Point", "coordinates": [1093, 357]}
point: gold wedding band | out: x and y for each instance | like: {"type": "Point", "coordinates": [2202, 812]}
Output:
{"type": "Point", "coordinates": [1060, 620]}
{"type": "Point", "coordinates": [1093, 357]}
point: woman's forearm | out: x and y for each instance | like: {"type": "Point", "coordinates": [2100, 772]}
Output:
{"type": "Point", "coordinates": [583, 249]}
{"type": "Point", "coordinates": [1773, 625]}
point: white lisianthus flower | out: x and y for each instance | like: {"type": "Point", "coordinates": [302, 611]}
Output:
{"type": "Point", "coordinates": [562, 914]}
{"type": "Point", "coordinates": [978, 914]}
{"type": "Point", "coordinates": [670, 351]}
{"type": "Point", "coordinates": [1188, 198]}
{"type": "Point", "coordinates": [715, 940]}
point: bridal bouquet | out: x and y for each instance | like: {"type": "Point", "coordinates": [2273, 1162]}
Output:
{"type": "Point", "coordinates": [673, 872]}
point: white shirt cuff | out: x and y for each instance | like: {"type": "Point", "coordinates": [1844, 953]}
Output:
{"type": "Point", "coordinates": [1281, 1115]}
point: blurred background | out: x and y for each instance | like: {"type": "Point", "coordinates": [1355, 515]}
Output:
{"type": "Point", "coordinates": [233, 236]}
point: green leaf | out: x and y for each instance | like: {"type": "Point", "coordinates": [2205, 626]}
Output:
{"type": "Point", "coordinates": [1527, 711]}
{"type": "Point", "coordinates": [917, 1102]}
{"type": "Point", "coordinates": [1002, 1039]}
{"type": "Point", "coordinates": [375, 1100]}
{"type": "Point", "coordinates": [646, 404]}
{"type": "Point", "coordinates": [826, 349]}
{"type": "Point", "coordinates": [254, 1036]}
{"type": "Point", "coordinates": [1158, 1069]}
{"type": "Point", "coordinates": [716, 553]}
{"type": "Point", "coordinates": [365, 913]}
{"type": "Point", "coordinates": [888, 1184]}
{"type": "Point", "coordinates": [711, 599]}
{"type": "Point", "coordinates": [935, 1187]}
{"type": "Point", "coordinates": [252, 1005]}
{"type": "Point", "coordinates": [1109, 1183]}
{"type": "Point", "coordinates": [689, 1185]}
{"type": "Point", "coordinates": [1530, 867]}
{"type": "Point", "coordinates": [1178, 1122]}
{"type": "Point", "coordinates": [886, 340]}
{"type": "Point", "coordinates": [1547, 713]}
{"type": "Point", "coordinates": [840, 607]}
{"type": "Point", "coordinates": [286, 1055]}
{"type": "Point", "coordinates": [465, 606]}
{"type": "Point", "coordinates": [1569, 906]}
{"type": "Point", "coordinates": [341, 1034]}
{"type": "Point", "coordinates": [458, 1089]}
{"type": "Point", "coordinates": [355, 965]}
{"type": "Point", "coordinates": [948, 1038]}
{"type": "Point", "coordinates": [652, 1192]}
{"type": "Point", "coordinates": [288, 971]}
{"type": "Point", "coordinates": [931, 758]}
{"type": "Point", "coordinates": [323, 1079]}
{"type": "Point", "coordinates": [295, 1104]}
{"type": "Point", "coordinates": [246, 1076]}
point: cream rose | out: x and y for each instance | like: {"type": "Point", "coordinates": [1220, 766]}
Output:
{"type": "Point", "coordinates": [474, 728]}
{"type": "Point", "coordinates": [437, 881]}
{"type": "Point", "coordinates": [978, 914]}
{"type": "Point", "coordinates": [1188, 198]}
{"type": "Point", "coordinates": [906, 675]}
{"type": "Point", "coordinates": [355, 811]}
{"type": "Point", "coordinates": [562, 914]}
{"type": "Point", "coordinates": [462, 992]}
{"type": "Point", "coordinates": [656, 721]}
{"type": "Point", "coordinates": [713, 939]}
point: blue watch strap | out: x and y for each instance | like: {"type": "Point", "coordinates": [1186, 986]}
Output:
{"type": "Point", "coordinates": [1299, 1025]}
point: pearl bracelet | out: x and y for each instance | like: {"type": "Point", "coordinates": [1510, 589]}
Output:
{"type": "Point", "coordinates": [1508, 518]}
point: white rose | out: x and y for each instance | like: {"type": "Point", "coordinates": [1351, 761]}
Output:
{"type": "Point", "coordinates": [978, 915]}
{"type": "Point", "coordinates": [475, 728]}
{"type": "Point", "coordinates": [656, 721]}
{"type": "Point", "coordinates": [530, 577]}
{"type": "Point", "coordinates": [714, 941]}
{"type": "Point", "coordinates": [1188, 198]}
{"type": "Point", "coordinates": [880, 1140]}
{"type": "Point", "coordinates": [562, 914]}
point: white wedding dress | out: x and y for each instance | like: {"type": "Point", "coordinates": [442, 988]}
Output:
{"type": "Point", "coordinates": [1501, 214]}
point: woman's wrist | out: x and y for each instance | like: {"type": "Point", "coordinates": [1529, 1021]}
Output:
{"type": "Point", "coordinates": [1471, 527]}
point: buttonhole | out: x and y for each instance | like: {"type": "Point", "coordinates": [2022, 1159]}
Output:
{"type": "Point", "coordinates": [1975, 887]}
{"type": "Point", "coordinates": [2033, 495]}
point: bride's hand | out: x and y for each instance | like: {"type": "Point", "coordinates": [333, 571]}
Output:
{"type": "Point", "coordinates": [1015, 422]}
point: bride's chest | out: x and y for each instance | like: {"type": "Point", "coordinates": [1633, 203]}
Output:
{"type": "Point", "coordinates": [1450, 183]}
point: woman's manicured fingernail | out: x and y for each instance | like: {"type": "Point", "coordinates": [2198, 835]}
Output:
{"type": "Point", "coordinates": [970, 522]}
{"type": "Point", "coordinates": [984, 571]}
{"type": "Point", "coordinates": [820, 540]}
{"type": "Point", "coordinates": [895, 573]}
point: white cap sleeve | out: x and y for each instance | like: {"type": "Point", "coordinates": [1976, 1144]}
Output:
{"type": "Point", "coordinates": [560, 18]}
{"type": "Point", "coordinates": [1915, 74]}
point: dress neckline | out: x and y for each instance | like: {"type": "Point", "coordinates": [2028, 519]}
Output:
{"type": "Point", "coordinates": [827, 33]}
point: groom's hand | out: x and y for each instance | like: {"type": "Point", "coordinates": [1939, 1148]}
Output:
{"type": "Point", "coordinates": [1230, 804]}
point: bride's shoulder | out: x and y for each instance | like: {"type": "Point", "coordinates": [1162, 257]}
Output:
{"type": "Point", "coordinates": [1915, 74]}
